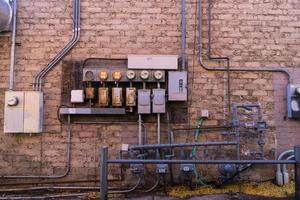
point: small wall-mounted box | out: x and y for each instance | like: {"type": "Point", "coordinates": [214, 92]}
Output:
{"type": "Point", "coordinates": [159, 101]}
{"type": "Point", "coordinates": [23, 112]}
{"type": "Point", "coordinates": [77, 96]}
{"type": "Point", "coordinates": [167, 62]}
{"type": "Point", "coordinates": [293, 101]}
{"type": "Point", "coordinates": [177, 86]}
{"type": "Point", "coordinates": [144, 101]}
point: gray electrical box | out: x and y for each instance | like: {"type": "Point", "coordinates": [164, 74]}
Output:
{"type": "Point", "coordinates": [293, 101]}
{"type": "Point", "coordinates": [23, 112]}
{"type": "Point", "coordinates": [144, 101]}
{"type": "Point", "coordinates": [159, 101]}
{"type": "Point", "coordinates": [177, 86]}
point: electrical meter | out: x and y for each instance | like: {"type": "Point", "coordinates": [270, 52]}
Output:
{"type": "Point", "coordinates": [145, 74]}
{"type": "Point", "coordinates": [103, 75]}
{"type": "Point", "coordinates": [158, 75]}
{"type": "Point", "coordinates": [117, 75]}
{"type": "Point", "coordinates": [130, 74]}
{"type": "Point", "coordinates": [89, 76]}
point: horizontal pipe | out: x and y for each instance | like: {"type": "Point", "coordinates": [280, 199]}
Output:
{"type": "Point", "coordinates": [161, 146]}
{"type": "Point", "coordinates": [128, 161]}
{"type": "Point", "coordinates": [204, 128]}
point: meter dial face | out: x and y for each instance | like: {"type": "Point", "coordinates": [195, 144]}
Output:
{"type": "Point", "coordinates": [158, 75]}
{"type": "Point", "coordinates": [89, 75]}
{"type": "Point", "coordinates": [145, 74]}
{"type": "Point", "coordinates": [117, 75]}
{"type": "Point", "coordinates": [130, 74]}
{"type": "Point", "coordinates": [103, 75]}
{"type": "Point", "coordinates": [298, 90]}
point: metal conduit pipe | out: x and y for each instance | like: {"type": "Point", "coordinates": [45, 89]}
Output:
{"type": "Point", "coordinates": [183, 34]}
{"type": "Point", "coordinates": [13, 47]}
{"type": "Point", "coordinates": [240, 69]}
{"type": "Point", "coordinates": [161, 146]}
{"type": "Point", "coordinates": [44, 197]}
{"type": "Point", "coordinates": [69, 138]}
{"type": "Point", "coordinates": [285, 173]}
{"type": "Point", "coordinates": [129, 190]}
{"type": "Point", "coordinates": [279, 172]}
{"type": "Point", "coordinates": [6, 14]}
{"type": "Point", "coordinates": [65, 50]}
{"type": "Point", "coordinates": [75, 38]}
{"type": "Point", "coordinates": [154, 186]}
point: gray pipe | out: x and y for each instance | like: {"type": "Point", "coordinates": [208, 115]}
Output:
{"type": "Point", "coordinates": [161, 146]}
{"type": "Point", "coordinates": [75, 38]}
{"type": "Point", "coordinates": [69, 144]}
{"type": "Point", "coordinates": [6, 15]}
{"type": "Point", "coordinates": [13, 48]}
{"type": "Point", "coordinates": [183, 34]}
{"type": "Point", "coordinates": [65, 50]}
{"type": "Point", "coordinates": [61, 54]}
{"type": "Point", "coordinates": [240, 69]}
{"type": "Point", "coordinates": [203, 162]}
{"type": "Point", "coordinates": [45, 197]}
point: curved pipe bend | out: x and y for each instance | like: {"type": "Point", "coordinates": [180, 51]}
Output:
{"type": "Point", "coordinates": [37, 85]}
{"type": "Point", "coordinates": [240, 69]}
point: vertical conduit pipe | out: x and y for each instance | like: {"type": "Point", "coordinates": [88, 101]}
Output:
{"type": "Point", "coordinates": [183, 34]}
{"type": "Point", "coordinates": [68, 169]}
{"type": "Point", "coordinates": [13, 47]}
{"type": "Point", "coordinates": [237, 69]}
{"type": "Point", "coordinates": [37, 85]}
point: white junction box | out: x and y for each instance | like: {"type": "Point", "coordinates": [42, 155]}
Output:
{"type": "Point", "coordinates": [23, 112]}
{"type": "Point", "coordinates": [167, 62]}
{"type": "Point", "coordinates": [77, 96]}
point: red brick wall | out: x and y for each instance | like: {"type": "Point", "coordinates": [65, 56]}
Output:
{"type": "Point", "coordinates": [252, 33]}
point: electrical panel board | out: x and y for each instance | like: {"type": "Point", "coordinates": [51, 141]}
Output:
{"type": "Point", "coordinates": [23, 112]}
{"type": "Point", "coordinates": [293, 101]}
{"type": "Point", "coordinates": [177, 83]}
{"type": "Point", "coordinates": [122, 89]}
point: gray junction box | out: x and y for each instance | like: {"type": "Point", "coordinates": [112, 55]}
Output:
{"type": "Point", "coordinates": [144, 101]}
{"type": "Point", "coordinates": [177, 86]}
{"type": "Point", "coordinates": [159, 101]}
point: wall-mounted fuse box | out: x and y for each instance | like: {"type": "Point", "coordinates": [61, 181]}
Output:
{"type": "Point", "coordinates": [117, 98]}
{"type": "Point", "coordinates": [103, 94]}
{"type": "Point", "coordinates": [177, 86]}
{"type": "Point", "coordinates": [23, 112]}
{"type": "Point", "coordinates": [293, 101]}
{"type": "Point", "coordinates": [131, 97]}
{"type": "Point", "coordinates": [159, 101]}
{"type": "Point", "coordinates": [144, 101]}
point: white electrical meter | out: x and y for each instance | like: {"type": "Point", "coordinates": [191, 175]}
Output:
{"type": "Point", "coordinates": [145, 74]}
{"type": "Point", "coordinates": [158, 75]}
{"type": "Point", "coordinates": [130, 74]}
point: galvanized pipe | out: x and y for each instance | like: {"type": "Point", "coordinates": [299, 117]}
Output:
{"type": "Point", "coordinates": [183, 34]}
{"type": "Point", "coordinates": [75, 38]}
{"type": "Point", "coordinates": [161, 146]}
{"type": "Point", "coordinates": [6, 14]}
{"type": "Point", "coordinates": [203, 162]}
{"type": "Point", "coordinates": [13, 47]}
{"type": "Point", "coordinates": [297, 172]}
{"type": "Point", "coordinates": [240, 69]}
{"type": "Point", "coordinates": [68, 163]}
